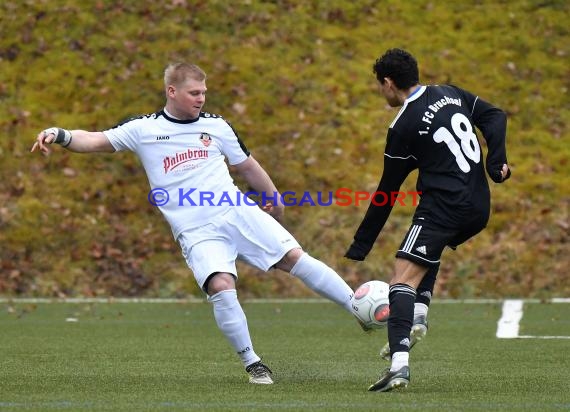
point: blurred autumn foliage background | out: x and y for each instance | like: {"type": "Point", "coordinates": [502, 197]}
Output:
{"type": "Point", "coordinates": [295, 80]}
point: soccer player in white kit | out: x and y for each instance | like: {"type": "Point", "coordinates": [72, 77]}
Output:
{"type": "Point", "coordinates": [184, 151]}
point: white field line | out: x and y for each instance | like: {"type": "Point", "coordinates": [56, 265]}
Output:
{"type": "Point", "coordinates": [253, 300]}
{"type": "Point", "coordinates": [100, 300]}
{"type": "Point", "coordinates": [508, 325]}
{"type": "Point", "coordinates": [542, 337]}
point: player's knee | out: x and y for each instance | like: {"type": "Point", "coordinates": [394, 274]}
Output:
{"type": "Point", "coordinates": [408, 273]}
{"type": "Point", "coordinates": [218, 282]}
{"type": "Point", "coordinates": [290, 259]}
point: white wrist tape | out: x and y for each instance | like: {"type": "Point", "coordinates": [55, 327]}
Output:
{"type": "Point", "coordinates": [62, 136]}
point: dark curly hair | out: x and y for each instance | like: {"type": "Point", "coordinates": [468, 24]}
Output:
{"type": "Point", "coordinates": [398, 65]}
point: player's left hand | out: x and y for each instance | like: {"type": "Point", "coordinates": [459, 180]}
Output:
{"type": "Point", "coordinates": [276, 211]}
{"type": "Point", "coordinates": [499, 175]}
{"type": "Point", "coordinates": [267, 207]}
{"type": "Point", "coordinates": [505, 172]}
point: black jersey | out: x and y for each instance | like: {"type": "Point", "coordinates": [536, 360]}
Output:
{"type": "Point", "coordinates": [434, 132]}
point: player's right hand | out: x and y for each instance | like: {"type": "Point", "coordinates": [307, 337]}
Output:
{"type": "Point", "coordinates": [44, 139]}
{"type": "Point", "coordinates": [354, 252]}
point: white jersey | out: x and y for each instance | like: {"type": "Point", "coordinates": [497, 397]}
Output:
{"type": "Point", "coordinates": [185, 164]}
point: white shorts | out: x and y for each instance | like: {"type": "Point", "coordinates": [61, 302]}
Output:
{"type": "Point", "coordinates": [246, 233]}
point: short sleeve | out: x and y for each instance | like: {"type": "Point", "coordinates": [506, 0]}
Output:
{"type": "Point", "coordinates": [124, 137]}
{"type": "Point", "coordinates": [232, 147]}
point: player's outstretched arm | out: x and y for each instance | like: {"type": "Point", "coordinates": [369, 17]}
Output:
{"type": "Point", "coordinates": [79, 141]}
{"type": "Point", "coordinates": [395, 172]}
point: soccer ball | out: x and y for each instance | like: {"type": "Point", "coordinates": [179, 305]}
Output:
{"type": "Point", "coordinates": [370, 304]}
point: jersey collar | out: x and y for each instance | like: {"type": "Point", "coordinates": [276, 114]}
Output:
{"type": "Point", "coordinates": [173, 119]}
{"type": "Point", "coordinates": [416, 93]}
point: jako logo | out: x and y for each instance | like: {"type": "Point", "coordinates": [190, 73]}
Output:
{"type": "Point", "coordinates": [162, 137]}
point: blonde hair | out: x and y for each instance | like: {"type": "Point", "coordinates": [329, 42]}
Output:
{"type": "Point", "coordinates": [177, 73]}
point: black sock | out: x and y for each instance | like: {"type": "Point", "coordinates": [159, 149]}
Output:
{"type": "Point", "coordinates": [425, 288]}
{"type": "Point", "coordinates": [402, 298]}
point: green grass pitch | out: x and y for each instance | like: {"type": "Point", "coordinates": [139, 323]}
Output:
{"type": "Point", "coordinates": [171, 357]}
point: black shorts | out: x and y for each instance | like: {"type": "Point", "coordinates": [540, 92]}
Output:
{"type": "Point", "coordinates": [425, 240]}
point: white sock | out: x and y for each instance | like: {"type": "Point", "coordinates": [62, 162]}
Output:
{"type": "Point", "coordinates": [420, 309]}
{"type": "Point", "coordinates": [322, 279]}
{"type": "Point", "coordinates": [232, 322]}
{"type": "Point", "coordinates": [399, 360]}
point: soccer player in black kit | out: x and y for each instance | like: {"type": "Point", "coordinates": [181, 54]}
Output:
{"type": "Point", "coordinates": [434, 132]}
